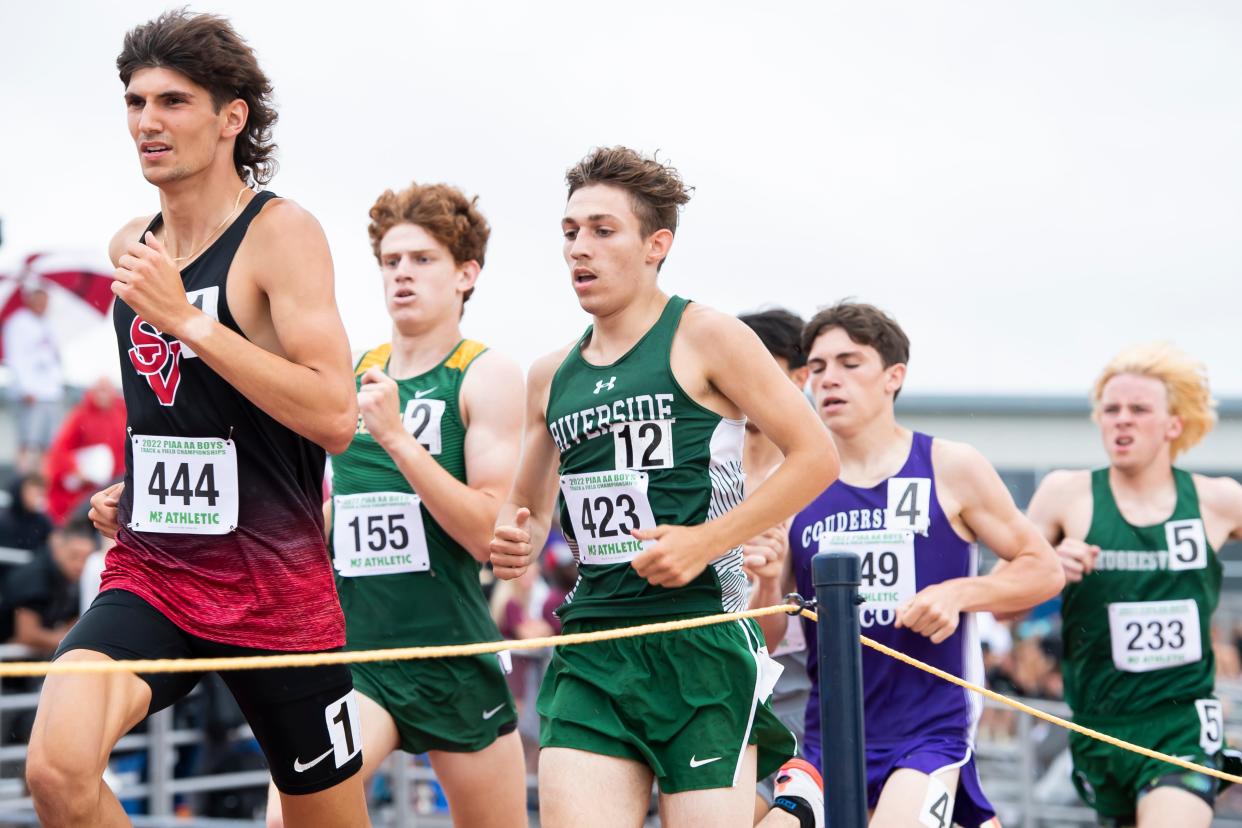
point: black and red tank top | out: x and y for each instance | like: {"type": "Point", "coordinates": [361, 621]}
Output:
{"type": "Point", "coordinates": [221, 527]}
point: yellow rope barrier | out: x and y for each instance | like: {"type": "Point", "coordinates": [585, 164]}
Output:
{"type": "Point", "coordinates": [175, 665]}
{"type": "Point", "coordinates": [196, 665]}
{"type": "Point", "coordinates": [1040, 714]}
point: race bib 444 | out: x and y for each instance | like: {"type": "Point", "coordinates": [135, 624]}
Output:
{"type": "Point", "coordinates": [184, 485]}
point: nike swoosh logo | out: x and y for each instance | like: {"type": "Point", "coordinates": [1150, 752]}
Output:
{"type": "Point", "coordinates": [298, 767]}
{"type": "Point", "coordinates": [487, 714]}
{"type": "Point", "coordinates": [698, 763]}
{"type": "Point", "coordinates": [418, 395]}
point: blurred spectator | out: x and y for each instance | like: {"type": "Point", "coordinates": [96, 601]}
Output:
{"type": "Point", "coordinates": [36, 386]}
{"type": "Point", "coordinates": [517, 606]}
{"type": "Point", "coordinates": [39, 602]}
{"type": "Point", "coordinates": [25, 524]}
{"type": "Point", "coordinates": [88, 452]}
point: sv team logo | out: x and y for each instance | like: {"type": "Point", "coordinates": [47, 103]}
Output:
{"type": "Point", "coordinates": [157, 359]}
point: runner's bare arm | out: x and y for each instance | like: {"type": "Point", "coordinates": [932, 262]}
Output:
{"type": "Point", "coordinates": [1052, 511]}
{"type": "Point", "coordinates": [310, 389]}
{"type": "Point", "coordinates": [1031, 574]}
{"type": "Point", "coordinates": [467, 511]}
{"type": "Point", "coordinates": [1221, 502]}
{"type": "Point", "coordinates": [517, 540]}
{"type": "Point", "coordinates": [739, 367]}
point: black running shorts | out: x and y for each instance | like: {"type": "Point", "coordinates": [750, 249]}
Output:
{"type": "Point", "coordinates": [304, 718]}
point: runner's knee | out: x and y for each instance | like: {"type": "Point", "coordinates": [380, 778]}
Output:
{"type": "Point", "coordinates": [62, 782]}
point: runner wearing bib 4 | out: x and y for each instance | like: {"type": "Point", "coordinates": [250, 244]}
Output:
{"type": "Point", "coordinates": [412, 504]}
{"type": "Point", "coordinates": [911, 507]}
{"type": "Point", "coordinates": [1138, 540]}
{"type": "Point", "coordinates": [638, 425]}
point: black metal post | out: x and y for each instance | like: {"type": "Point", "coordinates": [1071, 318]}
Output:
{"type": "Point", "coordinates": [836, 579]}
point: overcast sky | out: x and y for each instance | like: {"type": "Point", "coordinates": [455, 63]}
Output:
{"type": "Point", "coordinates": [1026, 186]}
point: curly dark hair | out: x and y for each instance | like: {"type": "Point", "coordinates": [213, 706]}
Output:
{"type": "Point", "coordinates": [656, 189]}
{"type": "Point", "coordinates": [442, 210]}
{"type": "Point", "coordinates": [207, 50]}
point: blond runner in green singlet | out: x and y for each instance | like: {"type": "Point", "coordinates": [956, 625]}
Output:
{"type": "Point", "coordinates": [639, 425]}
{"type": "Point", "coordinates": [414, 499]}
{"type": "Point", "coordinates": [1138, 540]}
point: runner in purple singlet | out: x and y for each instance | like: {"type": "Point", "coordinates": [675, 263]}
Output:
{"type": "Point", "coordinates": [913, 508]}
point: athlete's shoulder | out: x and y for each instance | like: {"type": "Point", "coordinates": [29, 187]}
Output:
{"type": "Point", "coordinates": [1061, 489]}
{"type": "Point", "coordinates": [282, 217]}
{"type": "Point", "coordinates": [1222, 495]}
{"type": "Point", "coordinates": [956, 461]}
{"type": "Point", "coordinates": [1067, 481]}
{"type": "Point", "coordinates": [545, 366]}
{"type": "Point", "coordinates": [286, 248]}
{"type": "Point", "coordinates": [486, 369]}
{"type": "Point", "coordinates": [539, 377]}
{"type": "Point", "coordinates": [709, 326]}
{"type": "Point", "coordinates": [127, 235]}
{"type": "Point", "coordinates": [479, 358]}
{"type": "Point", "coordinates": [376, 357]}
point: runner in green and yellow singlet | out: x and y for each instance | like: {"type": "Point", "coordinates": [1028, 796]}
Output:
{"type": "Point", "coordinates": [1138, 543]}
{"type": "Point", "coordinates": [414, 500]}
{"type": "Point", "coordinates": [639, 425]}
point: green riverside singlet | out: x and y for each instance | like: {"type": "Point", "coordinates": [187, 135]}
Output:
{"type": "Point", "coordinates": [636, 450]}
{"type": "Point", "coordinates": [402, 580]}
{"type": "Point", "coordinates": [1137, 628]}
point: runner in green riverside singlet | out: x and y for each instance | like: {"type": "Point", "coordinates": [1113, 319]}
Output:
{"type": "Point", "coordinates": [638, 427]}
{"type": "Point", "coordinates": [1138, 543]}
{"type": "Point", "coordinates": [414, 498]}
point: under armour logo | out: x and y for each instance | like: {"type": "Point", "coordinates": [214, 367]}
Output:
{"type": "Point", "coordinates": [606, 386]}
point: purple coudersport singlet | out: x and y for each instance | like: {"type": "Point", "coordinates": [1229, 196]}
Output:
{"type": "Point", "coordinates": [911, 718]}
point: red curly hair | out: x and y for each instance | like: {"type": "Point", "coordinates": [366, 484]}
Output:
{"type": "Point", "coordinates": [444, 211]}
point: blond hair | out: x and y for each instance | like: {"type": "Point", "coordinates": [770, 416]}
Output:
{"type": "Point", "coordinates": [1185, 382]}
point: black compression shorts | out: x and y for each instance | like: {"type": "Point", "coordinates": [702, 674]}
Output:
{"type": "Point", "coordinates": [304, 718]}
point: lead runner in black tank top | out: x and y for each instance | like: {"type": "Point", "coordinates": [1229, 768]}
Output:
{"type": "Point", "coordinates": [262, 572]}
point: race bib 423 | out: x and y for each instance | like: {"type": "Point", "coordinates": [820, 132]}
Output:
{"type": "Point", "coordinates": [604, 508]}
